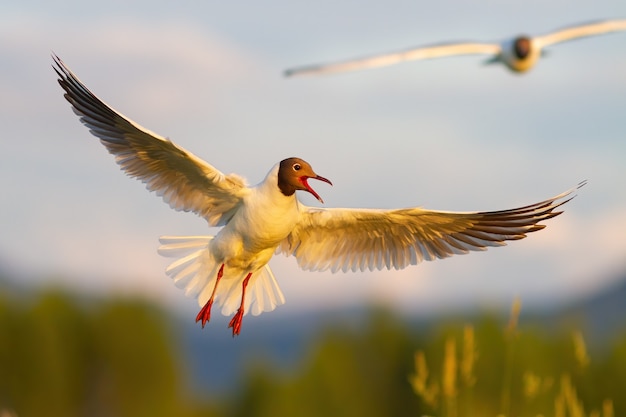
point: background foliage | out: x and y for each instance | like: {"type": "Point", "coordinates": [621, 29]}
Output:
{"type": "Point", "coordinates": [61, 356]}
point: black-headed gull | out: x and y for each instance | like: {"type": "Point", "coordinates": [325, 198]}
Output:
{"type": "Point", "coordinates": [519, 54]}
{"type": "Point", "coordinates": [231, 268]}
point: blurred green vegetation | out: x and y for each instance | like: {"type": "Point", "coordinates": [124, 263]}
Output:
{"type": "Point", "coordinates": [61, 356]}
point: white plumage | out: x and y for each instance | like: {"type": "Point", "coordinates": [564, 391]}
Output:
{"type": "Point", "coordinates": [195, 271]}
{"type": "Point", "coordinates": [231, 269]}
{"type": "Point", "coordinates": [519, 54]}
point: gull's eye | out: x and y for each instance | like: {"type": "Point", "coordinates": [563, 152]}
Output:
{"type": "Point", "coordinates": [297, 167]}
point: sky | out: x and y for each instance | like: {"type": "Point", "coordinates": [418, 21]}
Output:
{"type": "Point", "coordinates": [447, 134]}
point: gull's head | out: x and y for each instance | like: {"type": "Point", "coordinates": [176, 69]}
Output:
{"type": "Point", "coordinates": [294, 173]}
{"type": "Point", "coordinates": [522, 47]}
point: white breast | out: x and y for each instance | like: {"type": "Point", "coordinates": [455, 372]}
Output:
{"type": "Point", "coordinates": [264, 219]}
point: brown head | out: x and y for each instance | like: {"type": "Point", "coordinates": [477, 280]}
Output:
{"type": "Point", "coordinates": [294, 173]}
{"type": "Point", "coordinates": [521, 47]}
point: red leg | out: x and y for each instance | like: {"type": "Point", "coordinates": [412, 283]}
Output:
{"type": "Point", "coordinates": [235, 322]}
{"type": "Point", "coordinates": [205, 313]}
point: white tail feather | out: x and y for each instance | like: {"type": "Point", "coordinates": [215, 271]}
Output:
{"type": "Point", "coordinates": [195, 271]}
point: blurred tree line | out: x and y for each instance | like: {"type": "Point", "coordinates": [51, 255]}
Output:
{"type": "Point", "coordinates": [60, 356]}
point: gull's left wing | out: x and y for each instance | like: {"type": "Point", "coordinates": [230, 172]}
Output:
{"type": "Point", "coordinates": [366, 239]}
{"type": "Point", "coordinates": [185, 181]}
{"type": "Point", "coordinates": [381, 60]}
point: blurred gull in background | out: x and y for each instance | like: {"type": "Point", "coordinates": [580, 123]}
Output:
{"type": "Point", "coordinates": [519, 54]}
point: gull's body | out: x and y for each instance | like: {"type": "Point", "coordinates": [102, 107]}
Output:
{"type": "Point", "coordinates": [519, 54]}
{"type": "Point", "coordinates": [257, 221]}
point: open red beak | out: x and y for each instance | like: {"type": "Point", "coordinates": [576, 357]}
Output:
{"type": "Point", "coordinates": [304, 181]}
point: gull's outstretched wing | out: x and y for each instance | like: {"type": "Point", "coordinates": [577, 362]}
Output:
{"type": "Point", "coordinates": [184, 181]}
{"type": "Point", "coordinates": [381, 60]}
{"type": "Point", "coordinates": [360, 239]}
{"type": "Point", "coordinates": [580, 31]}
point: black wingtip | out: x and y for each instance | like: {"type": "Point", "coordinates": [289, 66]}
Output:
{"type": "Point", "coordinates": [578, 187]}
{"type": "Point", "coordinates": [58, 61]}
{"type": "Point", "coordinates": [59, 67]}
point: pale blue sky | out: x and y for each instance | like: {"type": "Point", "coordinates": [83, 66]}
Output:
{"type": "Point", "coordinates": [446, 134]}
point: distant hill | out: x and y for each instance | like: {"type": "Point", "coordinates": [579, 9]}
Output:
{"type": "Point", "coordinates": [600, 315]}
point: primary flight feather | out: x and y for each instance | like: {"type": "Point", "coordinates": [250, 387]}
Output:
{"type": "Point", "coordinates": [231, 268]}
